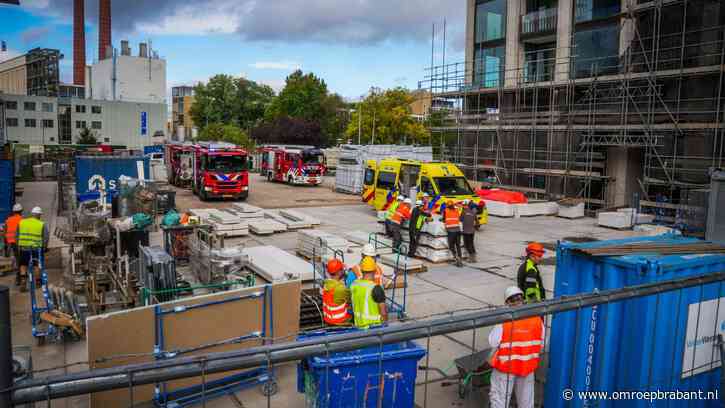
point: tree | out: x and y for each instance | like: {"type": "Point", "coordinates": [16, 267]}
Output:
{"type": "Point", "coordinates": [218, 132]}
{"type": "Point", "coordinates": [306, 97]}
{"type": "Point", "coordinates": [385, 118]}
{"type": "Point", "coordinates": [87, 137]}
{"type": "Point", "coordinates": [231, 101]}
{"type": "Point", "coordinates": [286, 130]}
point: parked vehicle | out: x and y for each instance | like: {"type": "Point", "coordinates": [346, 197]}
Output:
{"type": "Point", "coordinates": [178, 158]}
{"type": "Point", "coordinates": [220, 170]}
{"type": "Point", "coordinates": [301, 165]}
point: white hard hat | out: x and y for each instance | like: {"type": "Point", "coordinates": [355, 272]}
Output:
{"type": "Point", "coordinates": [18, 207]}
{"type": "Point", "coordinates": [407, 201]}
{"type": "Point", "coordinates": [466, 201]}
{"type": "Point", "coordinates": [401, 197]}
{"type": "Point", "coordinates": [512, 291]}
{"type": "Point", "coordinates": [425, 195]}
{"type": "Point", "coordinates": [369, 250]}
{"type": "Point", "coordinates": [419, 202]}
{"type": "Point", "coordinates": [37, 211]}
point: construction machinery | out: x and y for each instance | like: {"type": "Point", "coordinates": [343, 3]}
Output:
{"type": "Point", "coordinates": [220, 170]}
{"type": "Point", "coordinates": [299, 165]}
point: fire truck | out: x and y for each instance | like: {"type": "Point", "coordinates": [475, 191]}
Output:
{"type": "Point", "coordinates": [178, 158]}
{"type": "Point", "coordinates": [303, 165]}
{"type": "Point", "coordinates": [220, 170]}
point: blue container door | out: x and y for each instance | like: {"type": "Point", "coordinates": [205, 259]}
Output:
{"type": "Point", "coordinates": [7, 188]}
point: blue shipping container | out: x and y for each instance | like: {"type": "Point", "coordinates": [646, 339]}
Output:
{"type": "Point", "coordinates": [96, 172]}
{"type": "Point", "coordinates": [656, 343]}
{"type": "Point", "coordinates": [7, 188]}
{"type": "Point", "coordinates": [351, 379]}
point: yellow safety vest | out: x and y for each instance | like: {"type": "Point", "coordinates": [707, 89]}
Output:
{"type": "Point", "coordinates": [365, 309]}
{"type": "Point", "coordinates": [30, 233]}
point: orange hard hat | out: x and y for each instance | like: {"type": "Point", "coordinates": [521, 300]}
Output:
{"type": "Point", "coordinates": [535, 248]}
{"type": "Point", "coordinates": [334, 266]}
{"type": "Point", "coordinates": [449, 203]}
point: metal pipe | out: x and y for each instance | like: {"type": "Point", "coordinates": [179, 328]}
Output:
{"type": "Point", "coordinates": [161, 371]}
{"type": "Point", "coordinates": [6, 348]}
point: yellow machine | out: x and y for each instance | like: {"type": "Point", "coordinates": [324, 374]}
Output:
{"type": "Point", "coordinates": [442, 181]}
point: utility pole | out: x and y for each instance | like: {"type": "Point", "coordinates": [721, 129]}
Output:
{"type": "Point", "coordinates": [359, 122]}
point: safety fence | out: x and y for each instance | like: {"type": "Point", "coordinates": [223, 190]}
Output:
{"type": "Point", "coordinates": [599, 346]}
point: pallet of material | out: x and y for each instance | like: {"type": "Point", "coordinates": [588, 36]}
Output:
{"type": "Point", "coordinates": [354, 256]}
{"type": "Point", "coordinates": [532, 209]}
{"type": "Point", "coordinates": [202, 213]}
{"type": "Point", "coordinates": [434, 255]}
{"type": "Point", "coordinates": [265, 226]}
{"type": "Point", "coordinates": [571, 209]}
{"type": "Point", "coordinates": [320, 243]}
{"type": "Point", "coordinates": [615, 219]}
{"type": "Point", "coordinates": [247, 211]}
{"type": "Point", "coordinates": [361, 238]}
{"type": "Point", "coordinates": [290, 223]}
{"type": "Point", "coordinates": [298, 216]}
{"type": "Point", "coordinates": [437, 243]}
{"type": "Point", "coordinates": [434, 228]}
{"type": "Point", "coordinates": [274, 264]}
{"type": "Point", "coordinates": [500, 209]}
{"type": "Point", "coordinates": [403, 262]}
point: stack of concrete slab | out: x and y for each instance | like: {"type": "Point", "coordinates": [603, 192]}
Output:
{"type": "Point", "coordinates": [265, 226]}
{"type": "Point", "coordinates": [202, 213]}
{"type": "Point", "coordinates": [534, 208]}
{"type": "Point", "coordinates": [384, 245]}
{"type": "Point", "coordinates": [499, 209]}
{"type": "Point", "coordinates": [274, 264]}
{"type": "Point", "coordinates": [244, 210]}
{"type": "Point", "coordinates": [228, 224]}
{"type": "Point", "coordinates": [433, 244]}
{"type": "Point", "coordinates": [571, 209]}
{"type": "Point", "coordinates": [290, 223]}
{"type": "Point", "coordinates": [402, 262]}
{"type": "Point", "coordinates": [616, 219]}
{"type": "Point", "coordinates": [298, 216]}
{"type": "Point", "coordinates": [320, 244]}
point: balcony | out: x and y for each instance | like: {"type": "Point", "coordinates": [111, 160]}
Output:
{"type": "Point", "coordinates": [539, 22]}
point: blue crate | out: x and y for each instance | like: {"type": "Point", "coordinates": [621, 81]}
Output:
{"type": "Point", "coordinates": [351, 379]}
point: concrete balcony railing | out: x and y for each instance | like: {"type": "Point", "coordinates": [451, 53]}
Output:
{"type": "Point", "coordinates": [541, 21]}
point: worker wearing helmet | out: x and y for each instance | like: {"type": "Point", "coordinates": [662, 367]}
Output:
{"type": "Point", "coordinates": [335, 295]}
{"type": "Point", "coordinates": [402, 213]}
{"type": "Point", "coordinates": [452, 220]}
{"type": "Point", "coordinates": [367, 264]}
{"type": "Point", "coordinates": [417, 218]}
{"type": "Point", "coordinates": [469, 224]}
{"type": "Point", "coordinates": [32, 236]}
{"type": "Point", "coordinates": [390, 212]}
{"type": "Point", "coordinates": [517, 346]}
{"type": "Point", "coordinates": [529, 277]}
{"type": "Point", "coordinates": [11, 239]}
{"type": "Point", "coordinates": [368, 299]}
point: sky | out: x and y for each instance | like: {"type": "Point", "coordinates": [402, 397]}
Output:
{"type": "Point", "coordinates": [352, 44]}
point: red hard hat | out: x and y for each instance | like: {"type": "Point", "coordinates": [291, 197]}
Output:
{"type": "Point", "coordinates": [535, 248]}
{"type": "Point", "coordinates": [334, 266]}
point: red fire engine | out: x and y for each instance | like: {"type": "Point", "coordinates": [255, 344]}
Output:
{"type": "Point", "coordinates": [220, 170]}
{"type": "Point", "coordinates": [303, 165]}
{"type": "Point", "coordinates": [178, 158]}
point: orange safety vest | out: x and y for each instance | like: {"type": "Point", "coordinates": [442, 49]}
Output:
{"type": "Point", "coordinates": [11, 228]}
{"type": "Point", "coordinates": [334, 314]}
{"type": "Point", "coordinates": [378, 274]}
{"type": "Point", "coordinates": [401, 213]}
{"type": "Point", "coordinates": [521, 344]}
{"type": "Point", "coordinates": [452, 218]}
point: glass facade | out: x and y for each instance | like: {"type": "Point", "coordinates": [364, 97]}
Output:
{"type": "Point", "coordinates": [489, 66]}
{"type": "Point", "coordinates": [490, 20]}
{"type": "Point", "coordinates": [539, 62]}
{"type": "Point", "coordinates": [587, 10]}
{"type": "Point", "coordinates": [596, 51]}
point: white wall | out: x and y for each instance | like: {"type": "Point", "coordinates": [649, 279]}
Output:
{"type": "Point", "coordinates": [137, 79]}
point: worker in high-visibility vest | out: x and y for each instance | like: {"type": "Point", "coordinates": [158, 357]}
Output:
{"type": "Point", "coordinates": [336, 296]}
{"type": "Point", "coordinates": [469, 224]}
{"type": "Point", "coordinates": [11, 236]}
{"type": "Point", "coordinates": [452, 220]}
{"type": "Point", "coordinates": [418, 217]}
{"type": "Point", "coordinates": [529, 277]}
{"type": "Point", "coordinates": [367, 264]}
{"type": "Point", "coordinates": [396, 222]}
{"type": "Point", "coordinates": [32, 235]}
{"type": "Point", "coordinates": [368, 301]}
{"type": "Point", "coordinates": [517, 347]}
{"type": "Point", "coordinates": [390, 212]}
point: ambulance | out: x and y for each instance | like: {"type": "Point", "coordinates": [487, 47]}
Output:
{"type": "Point", "coordinates": [385, 179]}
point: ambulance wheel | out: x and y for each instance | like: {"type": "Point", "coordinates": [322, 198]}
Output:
{"type": "Point", "coordinates": [269, 388]}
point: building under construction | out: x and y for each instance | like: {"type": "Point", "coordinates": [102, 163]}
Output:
{"type": "Point", "coordinates": [604, 100]}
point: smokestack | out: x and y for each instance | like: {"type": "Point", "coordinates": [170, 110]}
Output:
{"type": "Point", "coordinates": [104, 29]}
{"type": "Point", "coordinates": [125, 49]}
{"type": "Point", "coordinates": [79, 42]}
{"type": "Point", "coordinates": [143, 50]}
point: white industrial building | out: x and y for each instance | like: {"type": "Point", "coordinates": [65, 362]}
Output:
{"type": "Point", "coordinates": [45, 120]}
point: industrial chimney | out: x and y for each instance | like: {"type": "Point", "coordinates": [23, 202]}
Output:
{"type": "Point", "coordinates": [104, 29]}
{"type": "Point", "coordinates": [79, 42]}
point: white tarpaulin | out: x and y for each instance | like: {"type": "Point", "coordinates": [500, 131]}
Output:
{"type": "Point", "coordinates": [704, 322]}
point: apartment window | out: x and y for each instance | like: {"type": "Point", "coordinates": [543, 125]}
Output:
{"type": "Point", "coordinates": [539, 62]}
{"type": "Point", "coordinates": [597, 51]}
{"type": "Point", "coordinates": [29, 106]}
{"type": "Point", "coordinates": [587, 10]}
{"type": "Point", "coordinates": [47, 107]}
{"type": "Point", "coordinates": [96, 125]}
{"type": "Point", "coordinates": [11, 122]}
{"type": "Point", "coordinates": [11, 105]}
{"type": "Point", "coordinates": [106, 140]}
{"type": "Point", "coordinates": [30, 123]}
{"type": "Point", "coordinates": [489, 66]}
{"type": "Point", "coordinates": [490, 20]}
{"type": "Point", "coordinates": [52, 139]}
{"type": "Point", "coordinates": [96, 109]}
{"type": "Point", "coordinates": [80, 124]}
{"type": "Point", "coordinates": [80, 108]}
{"type": "Point", "coordinates": [48, 123]}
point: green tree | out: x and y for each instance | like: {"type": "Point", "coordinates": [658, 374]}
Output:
{"type": "Point", "coordinates": [229, 100]}
{"type": "Point", "coordinates": [230, 133]}
{"type": "Point", "coordinates": [87, 137]}
{"type": "Point", "coordinates": [384, 117]}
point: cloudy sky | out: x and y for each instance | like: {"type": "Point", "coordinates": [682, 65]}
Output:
{"type": "Point", "coordinates": [352, 44]}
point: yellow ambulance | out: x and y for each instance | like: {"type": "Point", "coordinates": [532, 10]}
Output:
{"type": "Point", "coordinates": [385, 179]}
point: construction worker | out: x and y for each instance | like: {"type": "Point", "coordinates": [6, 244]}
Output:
{"type": "Point", "coordinates": [32, 235]}
{"type": "Point", "coordinates": [529, 277]}
{"type": "Point", "coordinates": [390, 212]}
{"type": "Point", "coordinates": [417, 218]}
{"type": "Point", "coordinates": [368, 301]}
{"type": "Point", "coordinates": [336, 296]}
{"type": "Point", "coordinates": [367, 264]}
{"type": "Point", "coordinates": [452, 221]}
{"type": "Point", "coordinates": [402, 213]}
{"type": "Point", "coordinates": [469, 223]}
{"type": "Point", "coordinates": [11, 239]}
{"type": "Point", "coordinates": [517, 346]}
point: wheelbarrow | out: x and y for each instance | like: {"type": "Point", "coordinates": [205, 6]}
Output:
{"type": "Point", "coordinates": [473, 371]}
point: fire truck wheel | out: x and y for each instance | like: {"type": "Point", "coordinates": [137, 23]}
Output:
{"type": "Point", "coordinates": [289, 179]}
{"type": "Point", "coordinates": [202, 193]}
{"type": "Point", "coordinates": [269, 176]}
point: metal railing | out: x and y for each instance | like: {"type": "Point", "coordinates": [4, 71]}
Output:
{"type": "Point", "coordinates": [539, 21]}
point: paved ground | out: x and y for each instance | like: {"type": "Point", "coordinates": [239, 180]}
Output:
{"type": "Point", "coordinates": [443, 288]}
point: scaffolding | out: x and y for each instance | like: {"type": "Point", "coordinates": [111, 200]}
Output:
{"type": "Point", "coordinates": [552, 127]}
